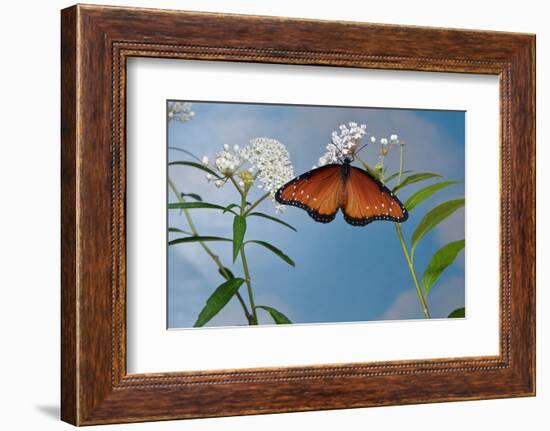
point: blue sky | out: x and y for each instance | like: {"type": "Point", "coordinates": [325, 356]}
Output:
{"type": "Point", "coordinates": [343, 273]}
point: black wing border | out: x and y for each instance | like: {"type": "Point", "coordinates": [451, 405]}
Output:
{"type": "Point", "coordinates": [363, 221]}
{"type": "Point", "coordinates": [314, 214]}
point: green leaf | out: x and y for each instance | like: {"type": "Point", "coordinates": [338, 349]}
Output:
{"type": "Point", "coordinates": [218, 300]}
{"type": "Point", "coordinates": [194, 205]}
{"type": "Point", "coordinates": [433, 218]}
{"type": "Point", "coordinates": [192, 195]}
{"type": "Point", "coordinates": [278, 317]}
{"type": "Point", "coordinates": [275, 219]}
{"type": "Point", "coordinates": [423, 194]}
{"type": "Point", "coordinates": [274, 250]}
{"type": "Point", "coordinates": [197, 166]}
{"type": "Point", "coordinates": [440, 261]}
{"type": "Point", "coordinates": [176, 230]}
{"type": "Point", "coordinates": [227, 271]}
{"type": "Point", "coordinates": [197, 239]}
{"type": "Point", "coordinates": [189, 153]}
{"type": "Point", "coordinates": [230, 207]}
{"type": "Point", "coordinates": [458, 313]}
{"type": "Point", "coordinates": [415, 178]}
{"type": "Point", "coordinates": [392, 176]}
{"type": "Point", "coordinates": [239, 229]}
{"type": "Point", "coordinates": [373, 172]}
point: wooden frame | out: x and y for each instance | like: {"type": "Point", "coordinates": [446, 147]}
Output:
{"type": "Point", "coordinates": [96, 41]}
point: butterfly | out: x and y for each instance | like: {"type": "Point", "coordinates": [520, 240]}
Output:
{"type": "Point", "coordinates": [361, 197]}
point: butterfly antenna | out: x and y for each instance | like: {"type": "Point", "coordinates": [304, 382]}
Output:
{"type": "Point", "coordinates": [361, 148]}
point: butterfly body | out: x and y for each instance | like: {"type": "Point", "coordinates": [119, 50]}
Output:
{"type": "Point", "coordinates": [361, 197]}
{"type": "Point", "coordinates": [345, 172]}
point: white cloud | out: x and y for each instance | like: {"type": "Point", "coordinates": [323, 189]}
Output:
{"type": "Point", "coordinates": [405, 306]}
{"type": "Point", "coordinates": [442, 299]}
{"type": "Point", "coordinates": [447, 295]}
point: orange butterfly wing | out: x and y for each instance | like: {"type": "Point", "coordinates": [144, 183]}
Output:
{"type": "Point", "coordinates": [367, 200]}
{"type": "Point", "coordinates": [316, 191]}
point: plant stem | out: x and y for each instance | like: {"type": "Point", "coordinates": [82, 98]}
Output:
{"type": "Point", "coordinates": [243, 196]}
{"type": "Point", "coordinates": [419, 292]}
{"type": "Point", "coordinates": [185, 211]}
{"type": "Point", "coordinates": [248, 281]}
{"type": "Point", "coordinates": [247, 278]}
{"type": "Point", "coordinates": [410, 264]}
{"type": "Point", "coordinates": [207, 249]}
{"type": "Point", "coordinates": [255, 204]}
{"type": "Point", "coordinates": [401, 161]}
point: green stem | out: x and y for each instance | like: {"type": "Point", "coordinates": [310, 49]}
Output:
{"type": "Point", "coordinates": [247, 278]}
{"type": "Point", "coordinates": [255, 204]}
{"type": "Point", "coordinates": [186, 212]}
{"type": "Point", "coordinates": [419, 292]}
{"type": "Point", "coordinates": [207, 249]}
{"type": "Point", "coordinates": [408, 257]}
{"type": "Point", "coordinates": [243, 196]}
{"type": "Point", "coordinates": [401, 160]}
{"type": "Point", "coordinates": [248, 281]}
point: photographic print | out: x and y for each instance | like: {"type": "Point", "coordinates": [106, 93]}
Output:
{"type": "Point", "coordinates": [267, 212]}
{"type": "Point", "coordinates": [298, 214]}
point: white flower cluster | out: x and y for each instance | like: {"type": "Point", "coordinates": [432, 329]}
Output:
{"type": "Point", "coordinates": [271, 160]}
{"type": "Point", "coordinates": [180, 111]}
{"type": "Point", "coordinates": [268, 160]}
{"type": "Point", "coordinates": [344, 143]}
{"type": "Point", "coordinates": [385, 145]}
{"type": "Point", "coordinates": [227, 162]}
{"type": "Point", "coordinates": [394, 140]}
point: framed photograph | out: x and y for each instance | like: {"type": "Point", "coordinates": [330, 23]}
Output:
{"type": "Point", "coordinates": [322, 214]}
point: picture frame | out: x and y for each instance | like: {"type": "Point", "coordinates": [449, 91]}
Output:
{"type": "Point", "coordinates": [96, 42]}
